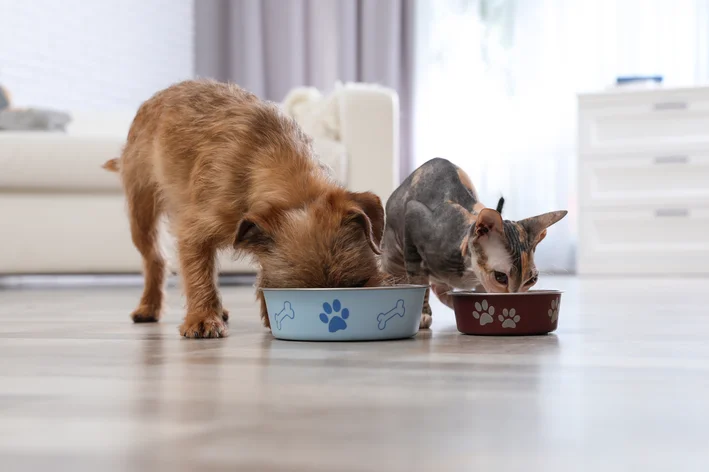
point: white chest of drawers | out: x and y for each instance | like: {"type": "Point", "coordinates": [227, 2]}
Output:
{"type": "Point", "coordinates": [644, 182]}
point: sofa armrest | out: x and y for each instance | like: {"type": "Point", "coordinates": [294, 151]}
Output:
{"type": "Point", "coordinates": [369, 124]}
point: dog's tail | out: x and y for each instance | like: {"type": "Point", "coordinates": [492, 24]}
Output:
{"type": "Point", "coordinates": [112, 165]}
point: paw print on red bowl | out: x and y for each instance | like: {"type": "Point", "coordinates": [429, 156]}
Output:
{"type": "Point", "coordinates": [509, 318]}
{"type": "Point", "coordinates": [554, 310]}
{"type": "Point", "coordinates": [484, 313]}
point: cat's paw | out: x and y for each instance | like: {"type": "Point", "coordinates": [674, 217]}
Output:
{"type": "Point", "coordinates": [426, 321]}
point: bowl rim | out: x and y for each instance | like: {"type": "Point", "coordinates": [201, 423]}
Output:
{"type": "Point", "coordinates": [472, 293]}
{"type": "Point", "coordinates": [353, 289]}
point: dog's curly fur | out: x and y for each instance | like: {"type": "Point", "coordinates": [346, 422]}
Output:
{"type": "Point", "coordinates": [232, 170]}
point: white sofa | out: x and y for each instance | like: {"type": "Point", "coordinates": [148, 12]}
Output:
{"type": "Point", "coordinates": [61, 213]}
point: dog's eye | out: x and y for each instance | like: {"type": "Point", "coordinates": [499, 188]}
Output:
{"type": "Point", "coordinates": [501, 277]}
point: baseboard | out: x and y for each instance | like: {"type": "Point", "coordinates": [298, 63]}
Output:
{"type": "Point", "coordinates": [104, 280]}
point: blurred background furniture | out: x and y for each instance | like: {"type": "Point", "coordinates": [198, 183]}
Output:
{"type": "Point", "coordinates": [644, 182]}
{"type": "Point", "coordinates": [62, 213]}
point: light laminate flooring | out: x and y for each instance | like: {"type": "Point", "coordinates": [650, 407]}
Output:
{"type": "Point", "coordinates": [622, 385]}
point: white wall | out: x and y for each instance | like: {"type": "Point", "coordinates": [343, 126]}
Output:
{"type": "Point", "coordinates": [93, 54]}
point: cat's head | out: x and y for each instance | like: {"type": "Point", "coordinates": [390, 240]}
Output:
{"type": "Point", "coordinates": [502, 251]}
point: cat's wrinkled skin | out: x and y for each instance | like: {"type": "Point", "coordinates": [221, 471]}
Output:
{"type": "Point", "coordinates": [438, 232]}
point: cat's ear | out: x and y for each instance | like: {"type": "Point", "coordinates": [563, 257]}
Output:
{"type": "Point", "coordinates": [541, 236]}
{"type": "Point", "coordinates": [537, 225]}
{"type": "Point", "coordinates": [488, 223]}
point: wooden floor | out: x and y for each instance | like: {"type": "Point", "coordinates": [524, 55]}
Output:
{"type": "Point", "coordinates": [623, 385]}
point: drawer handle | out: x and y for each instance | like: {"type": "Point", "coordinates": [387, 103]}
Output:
{"type": "Point", "coordinates": [662, 106]}
{"type": "Point", "coordinates": [671, 159]}
{"type": "Point", "coordinates": [672, 212]}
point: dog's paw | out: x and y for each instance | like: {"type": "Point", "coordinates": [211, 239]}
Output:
{"type": "Point", "coordinates": [146, 314]}
{"type": "Point", "coordinates": [210, 326]}
{"type": "Point", "coordinates": [426, 321]}
{"type": "Point", "coordinates": [225, 314]}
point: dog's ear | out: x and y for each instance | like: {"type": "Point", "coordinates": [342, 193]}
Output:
{"type": "Point", "coordinates": [358, 216]}
{"type": "Point", "coordinates": [252, 234]}
{"type": "Point", "coordinates": [371, 206]}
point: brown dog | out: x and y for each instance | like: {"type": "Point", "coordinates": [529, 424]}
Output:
{"type": "Point", "coordinates": [232, 170]}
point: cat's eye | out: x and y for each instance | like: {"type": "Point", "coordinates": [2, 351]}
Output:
{"type": "Point", "coordinates": [501, 277]}
{"type": "Point", "coordinates": [533, 280]}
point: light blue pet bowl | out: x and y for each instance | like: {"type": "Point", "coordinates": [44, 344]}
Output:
{"type": "Point", "coordinates": [345, 314]}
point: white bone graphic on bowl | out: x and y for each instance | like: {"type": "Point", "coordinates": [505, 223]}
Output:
{"type": "Point", "coordinates": [398, 310]}
{"type": "Point", "coordinates": [286, 312]}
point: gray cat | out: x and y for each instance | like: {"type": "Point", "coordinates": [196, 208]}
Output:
{"type": "Point", "coordinates": [438, 232]}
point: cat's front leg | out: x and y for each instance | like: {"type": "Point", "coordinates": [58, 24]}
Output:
{"type": "Point", "coordinates": [426, 313]}
{"type": "Point", "coordinates": [442, 293]}
{"type": "Point", "coordinates": [416, 274]}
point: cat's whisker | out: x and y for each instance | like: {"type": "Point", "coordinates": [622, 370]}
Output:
{"type": "Point", "coordinates": [555, 270]}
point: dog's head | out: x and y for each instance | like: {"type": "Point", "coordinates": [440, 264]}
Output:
{"type": "Point", "coordinates": [331, 242]}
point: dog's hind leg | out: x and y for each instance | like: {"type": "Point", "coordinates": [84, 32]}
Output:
{"type": "Point", "coordinates": [144, 208]}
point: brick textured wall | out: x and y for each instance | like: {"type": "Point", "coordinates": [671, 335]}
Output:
{"type": "Point", "coordinates": [93, 54]}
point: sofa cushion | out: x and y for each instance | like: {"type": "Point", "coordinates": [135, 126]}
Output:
{"type": "Point", "coordinates": [319, 116]}
{"type": "Point", "coordinates": [47, 161]}
{"type": "Point", "coordinates": [334, 155]}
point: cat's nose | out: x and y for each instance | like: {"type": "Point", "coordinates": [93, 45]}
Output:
{"type": "Point", "coordinates": [513, 286]}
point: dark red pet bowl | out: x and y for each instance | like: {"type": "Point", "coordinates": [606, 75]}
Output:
{"type": "Point", "coordinates": [507, 314]}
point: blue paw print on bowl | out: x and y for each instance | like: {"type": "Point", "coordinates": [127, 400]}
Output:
{"type": "Point", "coordinates": [333, 317]}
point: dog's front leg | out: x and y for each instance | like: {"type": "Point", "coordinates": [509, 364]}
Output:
{"type": "Point", "coordinates": [204, 308]}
